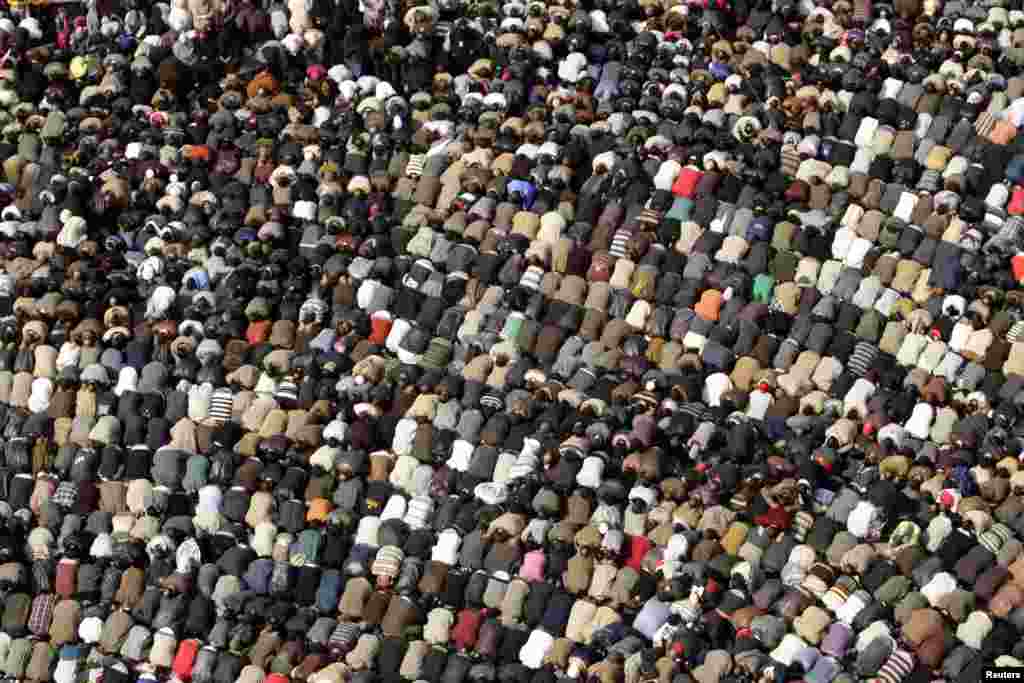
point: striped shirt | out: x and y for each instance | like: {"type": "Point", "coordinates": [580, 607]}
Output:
{"type": "Point", "coordinates": [418, 512]}
{"type": "Point", "coordinates": [698, 411]}
{"type": "Point", "coordinates": [221, 404]}
{"type": "Point", "coordinates": [345, 635]}
{"type": "Point", "coordinates": [388, 561]}
{"type": "Point", "coordinates": [863, 356]}
{"type": "Point", "coordinates": [414, 168]}
{"type": "Point", "coordinates": [897, 667]}
{"type": "Point", "coordinates": [620, 242]}
{"type": "Point", "coordinates": [531, 279]}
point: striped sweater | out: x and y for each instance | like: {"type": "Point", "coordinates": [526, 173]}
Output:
{"type": "Point", "coordinates": [899, 665]}
{"type": "Point", "coordinates": [863, 356]}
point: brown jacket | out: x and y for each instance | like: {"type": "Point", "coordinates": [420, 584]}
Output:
{"type": "Point", "coordinates": [43, 656]}
{"type": "Point", "coordinates": [357, 591]}
{"type": "Point", "coordinates": [578, 574]}
{"type": "Point", "coordinates": [433, 580]}
{"type": "Point", "coordinates": [64, 627]}
{"type": "Point", "coordinates": [133, 585]}
{"type": "Point", "coordinates": [923, 624]}
{"type": "Point", "coordinates": [402, 612]}
{"type": "Point", "coordinates": [115, 630]}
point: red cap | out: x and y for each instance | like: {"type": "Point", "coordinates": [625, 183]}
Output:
{"type": "Point", "coordinates": [869, 429]}
{"type": "Point", "coordinates": [776, 518]}
{"type": "Point", "coordinates": [764, 386]}
{"type": "Point", "coordinates": [678, 649]}
{"type": "Point", "coordinates": [701, 467]}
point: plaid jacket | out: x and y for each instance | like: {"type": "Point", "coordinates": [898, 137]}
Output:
{"type": "Point", "coordinates": [42, 614]}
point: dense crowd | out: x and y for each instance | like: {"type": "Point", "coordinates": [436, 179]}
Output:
{"type": "Point", "coordinates": [504, 342]}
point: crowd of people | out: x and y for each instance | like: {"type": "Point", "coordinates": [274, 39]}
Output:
{"type": "Point", "coordinates": [495, 341]}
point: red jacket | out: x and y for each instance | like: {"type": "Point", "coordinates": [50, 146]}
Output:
{"type": "Point", "coordinates": [467, 624]}
{"type": "Point", "coordinates": [638, 547]}
{"type": "Point", "coordinates": [185, 659]}
{"type": "Point", "coordinates": [686, 183]}
{"type": "Point", "coordinates": [66, 578]}
{"type": "Point", "coordinates": [1016, 205]}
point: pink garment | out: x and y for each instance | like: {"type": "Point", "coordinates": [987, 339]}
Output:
{"type": "Point", "coordinates": [532, 568]}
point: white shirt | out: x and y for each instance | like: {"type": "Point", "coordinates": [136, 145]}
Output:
{"type": "Point", "coordinates": [715, 387]}
{"type": "Point", "coordinates": [941, 585]}
{"type": "Point", "coordinates": [367, 532]}
{"type": "Point", "coordinates": [759, 404]}
{"type": "Point", "coordinates": [462, 453]}
{"type": "Point", "coordinates": [591, 472]}
{"type": "Point", "coordinates": [446, 549]}
{"type": "Point", "coordinates": [537, 646]}
{"type": "Point", "coordinates": [859, 521]}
